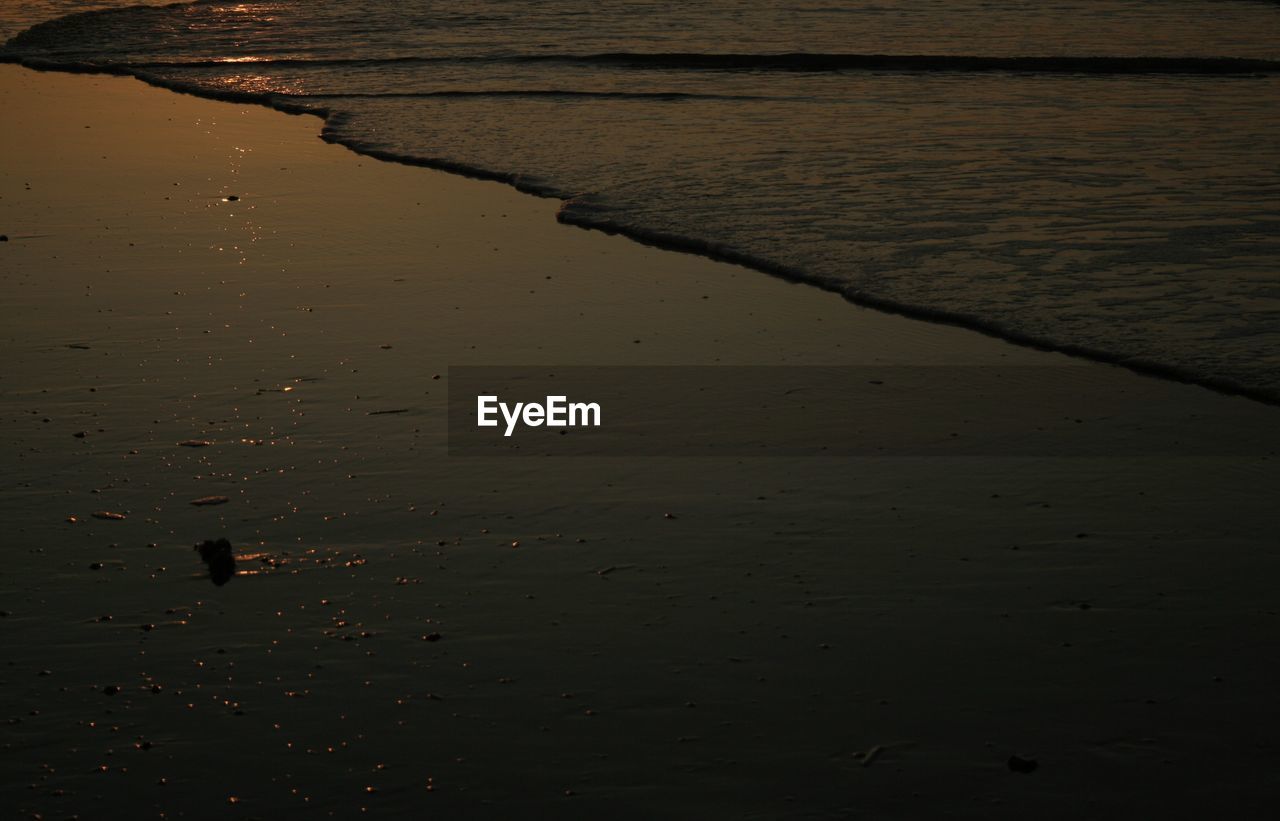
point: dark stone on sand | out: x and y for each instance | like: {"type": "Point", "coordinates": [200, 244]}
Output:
{"type": "Point", "coordinates": [1018, 764]}
{"type": "Point", "coordinates": [4, 237]}
{"type": "Point", "coordinates": [232, 198]}
{"type": "Point", "coordinates": [110, 689]}
{"type": "Point", "coordinates": [220, 559]}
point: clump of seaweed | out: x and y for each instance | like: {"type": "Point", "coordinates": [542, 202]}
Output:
{"type": "Point", "coordinates": [220, 559]}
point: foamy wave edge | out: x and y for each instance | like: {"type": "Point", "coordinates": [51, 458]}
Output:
{"type": "Point", "coordinates": [576, 210]}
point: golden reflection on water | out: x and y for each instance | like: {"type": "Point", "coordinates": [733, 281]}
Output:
{"type": "Point", "coordinates": [256, 82]}
{"type": "Point", "coordinates": [248, 58]}
{"type": "Point", "coordinates": [243, 13]}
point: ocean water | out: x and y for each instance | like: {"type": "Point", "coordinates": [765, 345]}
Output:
{"type": "Point", "coordinates": [1100, 176]}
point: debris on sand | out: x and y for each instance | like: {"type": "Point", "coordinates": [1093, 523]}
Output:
{"type": "Point", "coordinates": [1018, 764]}
{"type": "Point", "coordinates": [109, 515]}
{"type": "Point", "coordinates": [210, 500]}
{"type": "Point", "coordinates": [194, 443]}
{"type": "Point", "coordinates": [220, 559]}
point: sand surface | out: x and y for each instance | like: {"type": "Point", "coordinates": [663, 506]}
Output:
{"type": "Point", "coordinates": [386, 647]}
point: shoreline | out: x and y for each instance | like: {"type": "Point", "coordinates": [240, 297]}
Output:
{"type": "Point", "coordinates": [207, 303]}
{"type": "Point", "coordinates": [704, 248]}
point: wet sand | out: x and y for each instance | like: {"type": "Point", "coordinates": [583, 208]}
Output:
{"type": "Point", "coordinates": [410, 632]}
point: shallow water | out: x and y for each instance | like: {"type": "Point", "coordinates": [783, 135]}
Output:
{"type": "Point", "coordinates": [1094, 176]}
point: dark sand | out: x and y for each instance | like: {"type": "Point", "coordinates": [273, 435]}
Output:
{"type": "Point", "coordinates": [809, 638]}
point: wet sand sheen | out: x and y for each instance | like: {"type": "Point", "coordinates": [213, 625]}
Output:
{"type": "Point", "coordinates": [226, 307]}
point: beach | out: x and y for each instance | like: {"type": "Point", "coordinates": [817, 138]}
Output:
{"type": "Point", "coordinates": [203, 301]}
